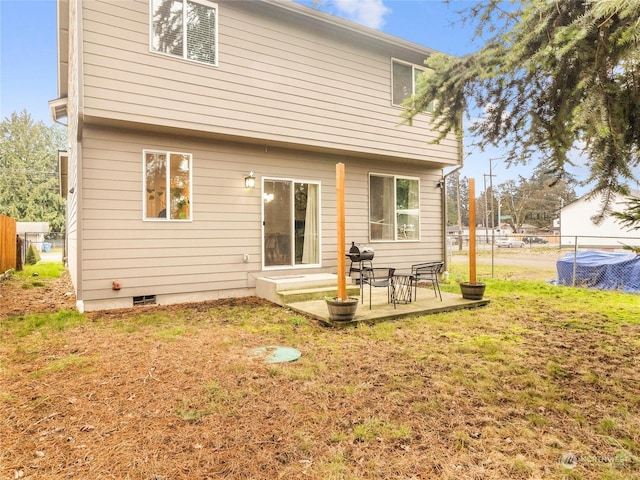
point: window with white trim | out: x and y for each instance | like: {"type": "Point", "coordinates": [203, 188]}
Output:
{"type": "Point", "coordinates": [405, 80]}
{"type": "Point", "coordinates": [291, 223]}
{"type": "Point", "coordinates": [167, 185]}
{"type": "Point", "coordinates": [394, 208]}
{"type": "Point", "coordinates": [185, 28]}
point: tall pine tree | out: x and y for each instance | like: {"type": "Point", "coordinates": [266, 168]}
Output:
{"type": "Point", "coordinates": [29, 179]}
{"type": "Point", "coordinates": [554, 77]}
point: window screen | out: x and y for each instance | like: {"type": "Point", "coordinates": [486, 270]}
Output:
{"type": "Point", "coordinates": [169, 35]}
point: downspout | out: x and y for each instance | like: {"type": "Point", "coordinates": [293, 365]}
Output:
{"type": "Point", "coordinates": [79, 155]}
{"type": "Point", "coordinates": [443, 203]}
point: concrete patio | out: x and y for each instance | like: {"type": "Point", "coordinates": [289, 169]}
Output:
{"type": "Point", "coordinates": [426, 303]}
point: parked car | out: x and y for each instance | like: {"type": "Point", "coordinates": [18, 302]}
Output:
{"type": "Point", "coordinates": [532, 240]}
{"type": "Point", "coordinates": [509, 242]}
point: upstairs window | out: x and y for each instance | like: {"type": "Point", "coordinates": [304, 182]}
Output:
{"type": "Point", "coordinates": [186, 29]}
{"type": "Point", "coordinates": [405, 81]}
{"type": "Point", "coordinates": [167, 185]}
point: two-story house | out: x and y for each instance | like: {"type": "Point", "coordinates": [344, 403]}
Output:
{"type": "Point", "coordinates": [203, 139]}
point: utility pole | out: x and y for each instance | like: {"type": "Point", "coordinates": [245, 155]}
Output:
{"type": "Point", "coordinates": [493, 223]}
{"type": "Point", "coordinates": [459, 210]}
{"type": "Point", "coordinates": [486, 210]}
{"type": "Point", "coordinates": [493, 220]}
{"type": "Point", "coordinates": [560, 222]}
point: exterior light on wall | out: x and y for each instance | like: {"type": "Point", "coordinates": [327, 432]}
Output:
{"type": "Point", "coordinates": [250, 181]}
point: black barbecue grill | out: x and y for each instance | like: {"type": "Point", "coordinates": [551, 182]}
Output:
{"type": "Point", "coordinates": [360, 258]}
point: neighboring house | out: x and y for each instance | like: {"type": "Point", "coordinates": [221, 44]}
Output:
{"type": "Point", "coordinates": [576, 224]}
{"type": "Point", "coordinates": [165, 126]}
{"type": "Point", "coordinates": [32, 233]}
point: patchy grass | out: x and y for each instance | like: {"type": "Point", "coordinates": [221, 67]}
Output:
{"type": "Point", "coordinates": [41, 323]}
{"type": "Point", "coordinates": [542, 383]}
{"type": "Point", "coordinates": [43, 270]}
{"type": "Point", "coordinates": [43, 287]}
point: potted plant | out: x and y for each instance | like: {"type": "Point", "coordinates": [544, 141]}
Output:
{"type": "Point", "coordinates": [472, 290]}
{"type": "Point", "coordinates": [341, 308]}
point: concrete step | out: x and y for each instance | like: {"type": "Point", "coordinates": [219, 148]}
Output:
{"type": "Point", "coordinates": [307, 294]}
{"type": "Point", "coordinates": [294, 288]}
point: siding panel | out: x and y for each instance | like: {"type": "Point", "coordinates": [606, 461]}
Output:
{"type": "Point", "coordinates": [206, 255]}
{"type": "Point", "coordinates": [278, 80]}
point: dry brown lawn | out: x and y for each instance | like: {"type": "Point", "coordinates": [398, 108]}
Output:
{"type": "Point", "coordinates": [530, 387]}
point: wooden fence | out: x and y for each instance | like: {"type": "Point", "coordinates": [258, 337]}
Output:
{"type": "Point", "coordinates": [8, 248]}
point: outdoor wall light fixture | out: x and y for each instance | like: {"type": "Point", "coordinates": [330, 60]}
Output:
{"type": "Point", "coordinates": [440, 184]}
{"type": "Point", "coordinates": [250, 181]}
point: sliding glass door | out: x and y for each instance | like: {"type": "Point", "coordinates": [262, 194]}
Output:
{"type": "Point", "coordinates": [291, 223]}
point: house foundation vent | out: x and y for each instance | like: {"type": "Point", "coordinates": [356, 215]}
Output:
{"type": "Point", "coordinates": [144, 300]}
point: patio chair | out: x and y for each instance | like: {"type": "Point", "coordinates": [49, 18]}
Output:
{"type": "Point", "coordinates": [429, 272]}
{"type": "Point", "coordinates": [376, 277]}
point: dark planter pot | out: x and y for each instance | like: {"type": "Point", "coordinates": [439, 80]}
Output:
{"type": "Point", "coordinates": [342, 311]}
{"type": "Point", "coordinates": [472, 291]}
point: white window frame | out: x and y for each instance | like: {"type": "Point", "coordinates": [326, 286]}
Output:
{"type": "Point", "coordinates": [396, 237]}
{"type": "Point", "coordinates": [293, 264]}
{"type": "Point", "coordinates": [168, 153]}
{"type": "Point", "coordinates": [414, 67]}
{"type": "Point", "coordinates": [184, 33]}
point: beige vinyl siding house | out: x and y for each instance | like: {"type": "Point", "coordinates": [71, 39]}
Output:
{"type": "Point", "coordinates": [293, 92]}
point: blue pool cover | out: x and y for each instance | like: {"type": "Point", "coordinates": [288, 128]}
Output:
{"type": "Point", "coordinates": [601, 270]}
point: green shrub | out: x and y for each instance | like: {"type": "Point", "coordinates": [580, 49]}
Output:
{"type": "Point", "coordinates": [33, 256]}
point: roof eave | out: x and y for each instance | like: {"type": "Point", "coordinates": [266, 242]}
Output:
{"type": "Point", "coordinates": [58, 108]}
{"type": "Point", "coordinates": [348, 25]}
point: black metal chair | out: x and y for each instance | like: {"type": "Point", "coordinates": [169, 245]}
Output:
{"type": "Point", "coordinates": [376, 277]}
{"type": "Point", "coordinates": [429, 272]}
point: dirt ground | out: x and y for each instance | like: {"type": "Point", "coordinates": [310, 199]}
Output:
{"type": "Point", "coordinates": [58, 295]}
{"type": "Point", "coordinates": [51, 296]}
{"type": "Point", "coordinates": [167, 393]}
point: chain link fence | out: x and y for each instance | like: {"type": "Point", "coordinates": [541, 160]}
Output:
{"type": "Point", "coordinates": [486, 241]}
{"type": "Point", "coordinates": [50, 245]}
{"type": "Point", "coordinates": [601, 262]}
{"type": "Point", "coordinates": [583, 261]}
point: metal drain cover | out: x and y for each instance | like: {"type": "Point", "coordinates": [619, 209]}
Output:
{"type": "Point", "coordinates": [276, 354]}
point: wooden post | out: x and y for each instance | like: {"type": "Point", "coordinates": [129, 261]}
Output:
{"type": "Point", "coordinates": [472, 230]}
{"type": "Point", "coordinates": [340, 238]}
{"type": "Point", "coordinates": [8, 248]}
